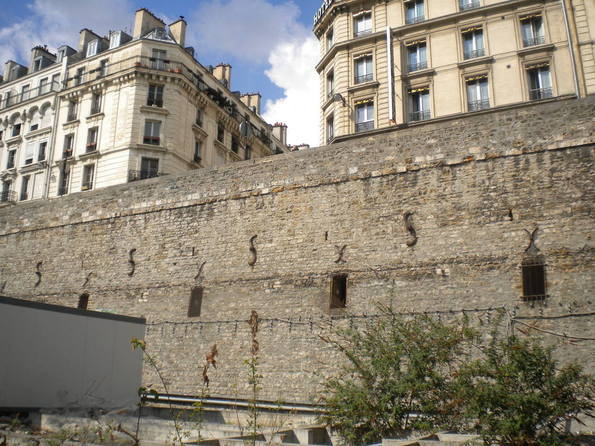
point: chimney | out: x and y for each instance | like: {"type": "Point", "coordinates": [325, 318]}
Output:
{"type": "Point", "coordinates": [280, 132]}
{"type": "Point", "coordinates": [8, 66]}
{"type": "Point", "coordinates": [252, 100]}
{"type": "Point", "coordinates": [145, 21]}
{"type": "Point", "coordinates": [85, 37]}
{"type": "Point", "coordinates": [178, 31]}
{"type": "Point", "coordinates": [222, 73]}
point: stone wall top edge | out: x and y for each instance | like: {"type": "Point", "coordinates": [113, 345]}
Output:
{"type": "Point", "coordinates": [540, 127]}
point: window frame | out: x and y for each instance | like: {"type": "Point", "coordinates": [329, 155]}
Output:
{"type": "Point", "coordinates": [365, 61]}
{"type": "Point", "coordinates": [88, 177]}
{"type": "Point", "coordinates": [155, 95]}
{"type": "Point", "coordinates": [478, 44]}
{"type": "Point", "coordinates": [365, 18]}
{"type": "Point", "coordinates": [152, 137]}
{"type": "Point", "coordinates": [368, 124]}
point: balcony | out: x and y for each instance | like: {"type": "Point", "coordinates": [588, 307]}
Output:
{"type": "Point", "coordinates": [415, 19]}
{"type": "Point", "coordinates": [364, 78]}
{"type": "Point", "coordinates": [8, 196]}
{"type": "Point", "coordinates": [28, 95]}
{"type": "Point", "coordinates": [364, 126]}
{"type": "Point", "coordinates": [533, 41]}
{"type": "Point", "coordinates": [478, 105]}
{"type": "Point", "coordinates": [469, 4]}
{"type": "Point", "coordinates": [421, 115]}
{"type": "Point", "coordinates": [473, 54]}
{"type": "Point", "coordinates": [417, 66]}
{"type": "Point", "coordinates": [362, 32]}
{"type": "Point", "coordinates": [136, 175]}
{"type": "Point", "coordinates": [540, 93]}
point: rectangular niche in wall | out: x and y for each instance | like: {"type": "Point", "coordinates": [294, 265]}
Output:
{"type": "Point", "coordinates": [195, 302]}
{"type": "Point", "coordinates": [339, 291]}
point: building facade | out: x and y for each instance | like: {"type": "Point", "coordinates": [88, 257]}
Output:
{"type": "Point", "coordinates": [392, 62]}
{"type": "Point", "coordinates": [122, 108]}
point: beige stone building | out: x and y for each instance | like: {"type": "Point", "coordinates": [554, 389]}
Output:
{"type": "Point", "coordinates": [123, 108]}
{"type": "Point", "coordinates": [389, 63]}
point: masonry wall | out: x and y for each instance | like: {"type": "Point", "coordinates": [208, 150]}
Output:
{"type": "Point", "coordinates": [475, 185]}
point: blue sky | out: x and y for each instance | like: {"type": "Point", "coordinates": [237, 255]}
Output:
{"type": "Point", "coordinates": [269, 43]}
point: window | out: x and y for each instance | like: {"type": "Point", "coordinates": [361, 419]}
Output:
{"type": "Point", "coordinates": [149, 168]}
{"type": "Point", "coordinates": [195, 303]}
{"type": "Point", "coordinates": [72, 111]}
{"type": "Point", "coordinates": [41, 151]}
{"type": "Point", "coordinates": [43, 85]}
{"type": "Point", "coordinates": [235, 144]}
{"type": "Point", "coordinates": [16, 129]}
{"type": "Point", "coordinates": [12, 154]}
{"type": "Point", "coordinates": [158, 61]}
{"type": "Point", "coordinates": [330, 128]}
{"type": "Point", "coordinates": [220, 133]}
{"type": "Point", "coordinates": [37, 63]}
{"type": "Point", "coordinates": [363, 69]}
{"type": "Point", "coordinates": [68, 145]}
{"type": "Point", "coordinates": [338, 291]}
{"type": "Point", "coordinates": [532, 30]}
{"type": "Point", "coordinates": [414, 11]}
{"type": "Point", "coordinates": [197, 151]}
{"type": "Point", "coordinates": [477, 93]}
{"type": "Point", "coordinates": [473, 43]}
{"type": "Point", "coordinates": [25, 92]}
{"type": "Point", "coordinates": [60, 55]}
{"type": "Point", "coordinates": [364, 116]}
{"type": "Point", "coordinates": [540, 83]}
{"type": "Point", "coordinates": [330, 39]}
{"type": "Point", "coordinates": [6, 194]}
{"type": "Point", "coordinates": [78, 78]}
{"type": "Point", "coordinates": [92, 48]}
{"type": "Point", "coordinates": [155, 95]}
{"type": "Point", "coordinates": [92, 140]}
{"type": "Point", "coordinates": [102, 68]}
{"type": "Point", "coordinates": [26, 181]}
{"type": "Point", "coordinates": [199, 116]}
{"type": "Point", "coordinates": [55, 81]}
{"type": "Point", "coordinates": [152, 130]}
{"type": "Point", "coordinates": [96, 103]}
{"type": "Point", "coordinates": [330, 84]}
{"type": "Point", "coordinates": [88, 173]}
{"type": "Point", "coordinates": [29, 154]}
{"type": "Point", "coordinates": [64, 176]}
{"type": "Point", "coordinates": [534, 284]}
{"type": "Point", "coordinates": [1, 134]}
{"type": "Point", "coordinates": [247, 152]}
{"type": "Point", "coordinates": [416, 55]}
{"type": "Point", "coordinates": [33, 127]}
{"type": "Point", "coordinates": [469, 4]}
{"type": "Point", "coordinates": [83, 301]}
{"type": "Point", "coordinates": [362, 24]}
{"type": "Point", "coordinates": [419, 103]}
{"type": "Point", "coordinates": [114, 39]}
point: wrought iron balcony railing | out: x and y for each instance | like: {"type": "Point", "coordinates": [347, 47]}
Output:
{"type": "Point", "coordinates": [30, 94]}
{"type": "Point", "coordinates": [534, 40]}
{"type": "Point", "coordinates": [135, 175]}
{"type": "Point", "coordinates": [8, 196]}
{"type": "Point", "coordinates": [363, 78]}
{"type": "Point", "coordinates": [540, 93]}
{"type": "Point", "coordinates": [472, 54]}
{"type": "Point", "coordinates": [421, 115]}
{"type": "Point", "coordinates": [469, 4]}
{"type": "Point", "coordinates": [482, 104]}
{"type": "Point", "coordinates": [415, 19]}
{"type": "Point", "coordinates": [364, 126]}
{"type": "Point", "coordinates": [417, 66]}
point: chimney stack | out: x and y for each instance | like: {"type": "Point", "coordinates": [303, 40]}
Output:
{"type": "Point", "coordinates": [280, 132]}
{"type": "Point", "coordinates": [178, 31]}
{"type": "Point", "coordinates": [222, 73]}
{"type": "Point", "coordinates": [145, 21]}
{"type": "Point", "coordinates": [252, 100]}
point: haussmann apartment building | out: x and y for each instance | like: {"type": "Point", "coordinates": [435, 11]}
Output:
{"type": "Point", "coordinates": [122, 108]}
{"type": "Point", "coordinates": [395, 63]}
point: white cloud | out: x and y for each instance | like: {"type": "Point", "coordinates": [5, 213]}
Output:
{"type": "Point", "coordinates": [58, 22]}
{"type": "Point", "coordinates": [246, 29]}
{"type": "Point", "coordinates": [292, 69]}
